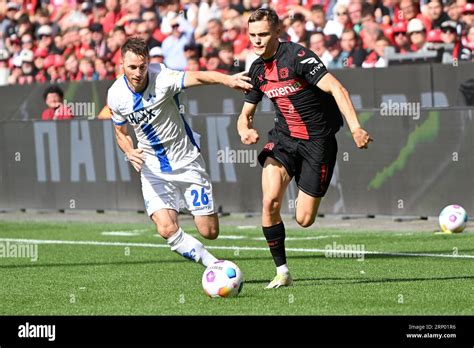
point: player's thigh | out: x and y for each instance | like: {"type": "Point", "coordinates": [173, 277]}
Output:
{"type": "Point", "coordinates": [306, 209]}
{"type": "Point", "coordinates": [207, 225]}
{"type": "Point", "coordinates": [166, 221]}
{"type": "Point", "coordinates": [275, 180]}
{"type": "Point", "coordinates": [159, 193]}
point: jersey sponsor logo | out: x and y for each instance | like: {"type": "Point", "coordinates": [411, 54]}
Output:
{"type": "Point", "coordinates": [283, 72]}
{"type": "Point", "coordinates": [310, 60]}
{"type": "Point", "coordinates": [141, 116]}
{"type": "Point", "coordinates": [301, 53]}
{"type": "Point", "coordinates": [283, 91]}
{"type": "Point", "coordinates": [316, 69]}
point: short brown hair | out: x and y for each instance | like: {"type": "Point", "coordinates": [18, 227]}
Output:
{"type": "Point", "coordinates": [137, 46]}
{"type": "Point", "coordinates": [265, 14]}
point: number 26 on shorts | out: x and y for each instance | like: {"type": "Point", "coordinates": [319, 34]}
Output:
{"type": "Point", "coordinates": [201, 198]}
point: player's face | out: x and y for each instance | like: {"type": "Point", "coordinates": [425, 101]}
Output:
{"type": "Point", "coordinates": [264, 38]}
{"type": "Point", "coordinates": [136, 70]}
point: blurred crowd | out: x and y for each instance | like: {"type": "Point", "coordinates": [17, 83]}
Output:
{"type": "Point", "coordinates": [76, 40]}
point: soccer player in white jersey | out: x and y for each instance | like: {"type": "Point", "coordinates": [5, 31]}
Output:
{"type": "Point", "coordinates": [168, 158]}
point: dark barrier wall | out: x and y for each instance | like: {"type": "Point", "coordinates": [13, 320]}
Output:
{"type": "Point", "coordinates": [416, 165]}
{"type": "Point", "coordinates": [434, 85]}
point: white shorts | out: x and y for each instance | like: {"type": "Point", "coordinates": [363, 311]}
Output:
{"type": "Point", "coordinates": [187, 189]}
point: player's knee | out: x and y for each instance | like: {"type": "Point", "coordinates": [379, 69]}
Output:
{"type": "Point", "coordinates": [210, 232]}
{"type": "Point", "coordinates": [166, 230]}
{"type": "Point", "coordinates": [271, 205]}
{"type": "Point", "coordinates": [305, 220]}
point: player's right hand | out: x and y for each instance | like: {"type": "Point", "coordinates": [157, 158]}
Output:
{"type": "Point", "coordinates": [361, 138]}
{"type": "Point", "coordinates": [249, 136]}
{"type": "Point", "coordinates": [136, 158]}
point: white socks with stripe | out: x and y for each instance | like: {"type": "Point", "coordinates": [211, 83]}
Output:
{"type": "Point", "coordinates": [190, 248]}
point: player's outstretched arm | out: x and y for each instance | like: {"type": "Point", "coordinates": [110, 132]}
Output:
{"type": "Point", "coordinates": [197, 78]}
{"type": "Point", "coordinates": [328, 83]}
{"type": "Point", "coordinates": [125, 142]}
{"type": "Point", "coordinates": [248, 135]}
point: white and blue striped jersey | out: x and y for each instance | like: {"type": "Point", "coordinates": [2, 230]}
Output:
{"type": "Point", "coordinates": [154, 115]}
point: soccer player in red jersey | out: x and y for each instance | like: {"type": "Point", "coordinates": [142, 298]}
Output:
{"type": "Point", "coordinates": [308, 101]}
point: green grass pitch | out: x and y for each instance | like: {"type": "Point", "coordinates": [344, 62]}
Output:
{"type": "Point", "coordinates": [129, 275]}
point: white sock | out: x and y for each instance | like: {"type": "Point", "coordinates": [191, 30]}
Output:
{"type": "Point", "coordinates": [283, 269]}
{"type": "Point", "coordinates": [190, 248]}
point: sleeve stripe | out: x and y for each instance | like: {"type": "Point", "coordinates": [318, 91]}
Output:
{"type": "Point", "coordinates": [119, 123]}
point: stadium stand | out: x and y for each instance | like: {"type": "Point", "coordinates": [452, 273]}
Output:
{"type": "Point", "coordinates": [74, 40]}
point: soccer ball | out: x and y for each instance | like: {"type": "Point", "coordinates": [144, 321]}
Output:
{"type": "Point", "coordinates": [222, 279]}
{"type": "Point", "coordinates": [453, 218]}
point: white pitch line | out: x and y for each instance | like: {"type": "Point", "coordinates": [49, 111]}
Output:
{"type": "Point", "coordinates": [303, 250]}
{"type": "Point", "coordinates": [286, 239]}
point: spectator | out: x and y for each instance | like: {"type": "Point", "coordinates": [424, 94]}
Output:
{"type": "Point", "coordinates": [149, 17]}
{"type": "Point", "coordinates": [467, 17]}
{"type": "Point", "coordinates": [112, 16]}
{"type": "Point", "coordinates": [86, 68]}
{"type": "Point", "coordinates": [233, 34]}
{"type": "Point", "coordinates": [410, 10]}
{"type": "Point", "coordinates": [436, 13]}
{"type": "Point", "coordinates": [4, 69]}
{"type": "Point", "coordinates": [376, 59]}
{"type": "Point", "coordinates": [98, 42]}
{"type": "Point", "coordinates": [156, 58]}
{"type": "Point", "coordinates": [417, 33]}
{"type": "Point", "coordinates": [402, 41]}
{"type": "Point", "coordinates": [355, 15]}
{"type": "Point", "coordinates": [16, 70]}
{"type": "Point", "coordinates": [370, 29]}
{"type": "Point", "coordinates": [9, 23]}
{"type": "Point", "coordinates": [213, 39]}
{"type": "Point", "coordinates": [334, 48]}
{"type": "Point", "coordinates": [27, 41]}
{"type": "Point", "coordinates": [452, 10]}
{"type": "Point", "coordinates": [340, 23]}
{"type": "Point", "coordinates": [298, 31]}
{"type": "Point", "coordinates": [56, 109]}
{"type": "Point", "coordinates": [449, 36]}
{"type": "Point", "coordinates": [317, 20]}
{"type": "Point", "coordinates": [317, 44]}
{"type": "Point", "coordinates": [228, 64]}
{"type": "Point", "coordinates": [144, 33]}
{"type": "Point", "coordinates": [193, 65]}
{"type": "Point", "coordinates": [173, 46]}
{"type": "Point", "coordinates": [45, 39]}
{"type": "Point", "coordinates": [381, 12]}
{"type": "Point", "coordinates": [72, 68]}
{"type": "Point", "coordinates": [352, 55]}
{"type": "Point", "coordinates": [28, 71]}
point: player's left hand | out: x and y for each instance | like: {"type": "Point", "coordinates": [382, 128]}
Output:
{"type": "Point", "coordinates": [361, 138]}
{"type": "Point", "coordinates": [240, 81]}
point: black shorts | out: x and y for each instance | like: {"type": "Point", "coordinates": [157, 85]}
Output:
{"type": "Point", "coordinates": [311, 162]}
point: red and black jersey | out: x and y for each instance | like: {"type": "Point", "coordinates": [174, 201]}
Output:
{"type": "Point", "coordinates": [289, 79]}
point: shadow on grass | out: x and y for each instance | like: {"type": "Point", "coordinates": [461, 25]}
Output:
{"type": "Point", "coordinates": [353, 280]}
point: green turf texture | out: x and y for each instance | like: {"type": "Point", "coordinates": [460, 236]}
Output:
{"type": "Point", "coordinates": [114, 280]}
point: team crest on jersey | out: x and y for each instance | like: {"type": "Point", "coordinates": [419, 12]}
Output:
{"type": "Point", "coordinates": [269, 146]}
{"type": "Point", "coordinates": [283, 72]}
{"type": "Point", "coordinates": [301, 53]}
{"type": "Point", "coordinates": [260, 78]}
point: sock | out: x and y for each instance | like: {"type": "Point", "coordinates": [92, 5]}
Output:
{"type": "Point", "coordinates": [190, 248]}
{"type": "Point", "coordinates": [283, 269]}
{"type": "Point", "coordinates": [275, 236]}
